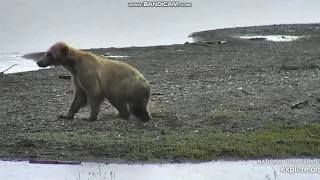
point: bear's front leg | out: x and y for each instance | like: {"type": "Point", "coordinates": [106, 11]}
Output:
{"type": "Point", "coordinates": [79, 100]}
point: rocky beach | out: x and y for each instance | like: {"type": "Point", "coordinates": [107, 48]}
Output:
{"type": "Point", "coordinates": [221, 97]}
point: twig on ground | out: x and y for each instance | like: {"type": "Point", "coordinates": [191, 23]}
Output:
{"type": "Point", "coordinates": [246, 92]}
{"type": "Point", "coordinates": [317, 98]}
{"type": "Point", "coordinates": [8, 69]}
{"type": "Point", "coordinates": [64, 76]}
{"type": "Point", "coordinates": [296, 105]}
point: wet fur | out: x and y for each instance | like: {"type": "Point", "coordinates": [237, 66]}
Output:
{"type": "Point", "coordinates": [95, 78]}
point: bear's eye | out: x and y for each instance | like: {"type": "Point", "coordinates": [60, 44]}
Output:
{"type": "Point", "coordinates": [49, 54]}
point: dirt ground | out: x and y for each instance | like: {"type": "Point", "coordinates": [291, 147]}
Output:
{"type": "Point", "coordinates": [209, 101]}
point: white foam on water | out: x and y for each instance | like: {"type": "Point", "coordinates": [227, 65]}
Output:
{"type": "Point", "coordinates": [116, 56]}
{"type": "Point", "coordinates": [278, 38]}
{"type": "Point", "coordinates": [220, 170]}
{"type": "Point", "coordinates": [17, 63]}
{"type": "Point", "coordinates": [14, 62]}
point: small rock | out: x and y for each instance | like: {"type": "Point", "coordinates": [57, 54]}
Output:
{"type": "Point", "coordinates": [222, 42]}
{"type": "Point", "coordinates": [157, 93]}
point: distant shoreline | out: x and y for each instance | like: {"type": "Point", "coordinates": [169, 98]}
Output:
{"type": "Point", "coordinates": [224, 33]}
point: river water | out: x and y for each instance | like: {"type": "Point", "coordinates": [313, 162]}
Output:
{"type": "Point", "coordinates": [30, 26]}
{"type": "Point", "coordinates": [241, 170]}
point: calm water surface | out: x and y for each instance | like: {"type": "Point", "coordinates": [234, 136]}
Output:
{"type": "Point", "coordinates": [33, 25]}
{"type": "Point", "coordinates": [29, 26]}
{"type": "Point", "coordinates": [242, 170]}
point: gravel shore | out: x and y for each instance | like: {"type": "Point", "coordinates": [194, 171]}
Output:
{"type": "Point", "coordinates": [242, 99]}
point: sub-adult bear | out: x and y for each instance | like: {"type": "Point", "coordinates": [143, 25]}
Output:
{"type": "Point", "coordinates": [96, 78]}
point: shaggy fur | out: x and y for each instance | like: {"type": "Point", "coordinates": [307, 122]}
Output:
{"type": "Point", "coordinates": [96, 78]}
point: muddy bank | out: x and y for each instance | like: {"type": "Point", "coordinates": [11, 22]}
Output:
{"type": "Point", "coordinates": [236, 100]}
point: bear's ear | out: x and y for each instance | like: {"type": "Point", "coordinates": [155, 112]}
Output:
{"type": "Point", "coordinates": [64, 50]}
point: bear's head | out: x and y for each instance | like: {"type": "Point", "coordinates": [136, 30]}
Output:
{"type": "Point", "coordinates": [57, 55]}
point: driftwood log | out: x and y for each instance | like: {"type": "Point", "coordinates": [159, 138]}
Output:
{"type": "Point", "coordinates": [296, 105]}
{"type": "Point", "coordinates": [34, 161]}
{"type": "Point", "coordinates": [8, 69]}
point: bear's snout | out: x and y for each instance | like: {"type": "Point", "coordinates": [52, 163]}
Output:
{"type": "Point", "coordinates": [41, 64]}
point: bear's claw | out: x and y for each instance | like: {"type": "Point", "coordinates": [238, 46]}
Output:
{"type": "Point", "coordinates": [64, 117]}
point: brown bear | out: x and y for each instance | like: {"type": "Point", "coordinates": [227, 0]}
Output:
{"type": "Point", "coordinates": [96, 78]}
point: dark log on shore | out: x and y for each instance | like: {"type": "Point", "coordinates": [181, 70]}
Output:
{"type": "Point", "coordinates": [34, 161]}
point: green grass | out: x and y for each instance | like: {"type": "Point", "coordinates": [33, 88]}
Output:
{"type": "Point", "coordinates": [203, 145]}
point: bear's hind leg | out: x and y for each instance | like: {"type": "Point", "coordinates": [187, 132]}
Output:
{"type": "Point", "coordinates": [124, 112]}
{"type": "Point", "coordinates": [95, 102]}
{"type": "Point", "coordinates": [121, 106]}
